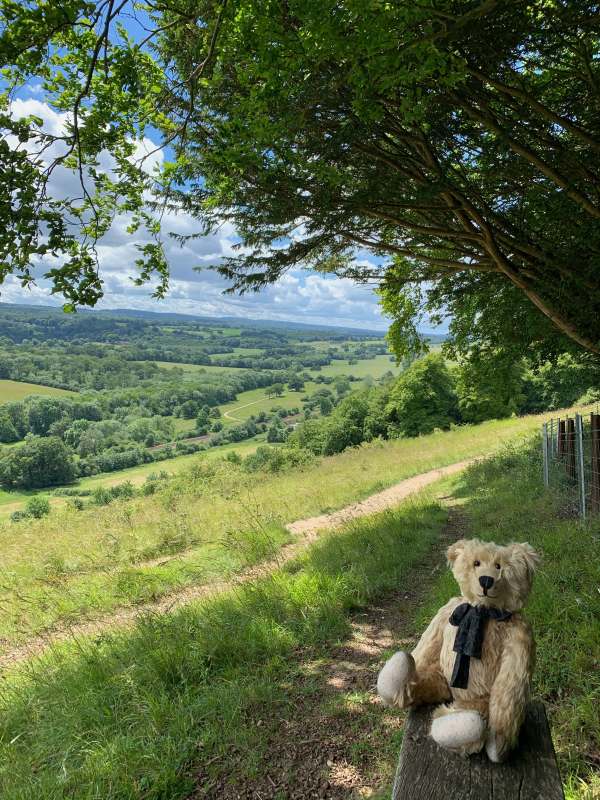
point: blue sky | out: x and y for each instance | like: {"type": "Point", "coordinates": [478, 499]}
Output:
{"type": "Point", "coordinates": [299, 296]}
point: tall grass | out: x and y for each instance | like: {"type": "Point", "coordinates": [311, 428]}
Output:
{"type": "Point", "coordinates": [176, 702]}
{"type": "Point", "coordinates": [77, 564]}
{"type": "Point", "coordinates": [138, 714]}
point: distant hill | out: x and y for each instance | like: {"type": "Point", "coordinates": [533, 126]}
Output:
{"type": "Point", "coordinates": [166, 317]}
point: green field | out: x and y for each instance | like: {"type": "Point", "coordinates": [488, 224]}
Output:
{"type": "Point", "coordinates": [192, 371]}
{"type": "Point", "coordinates": [15, 390]}
{"type": "Point", "coordinates": [100, 717]}
{"type": "Point", "coordinates": [254, 401]}
{"type": "Point", "coordinates": [364, 368]}
{"type": "Point", "coordinates": [14, 500]}
{"type": "Point", "coordinates": [239, 351]}
{"type": "Point", "coordinates": [194, 511]}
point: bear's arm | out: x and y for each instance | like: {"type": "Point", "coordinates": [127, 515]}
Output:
{"type": "Point", "coordinates": [510, 690]}
{"type": "Point", "coordinates": [427, 652]}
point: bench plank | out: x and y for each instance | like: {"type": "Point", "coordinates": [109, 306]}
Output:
{"type": "Point", "coordinates": [428, 772]}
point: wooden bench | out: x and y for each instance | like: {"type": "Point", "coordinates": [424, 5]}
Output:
{"type": "Point", "coordinates": [427, 772]}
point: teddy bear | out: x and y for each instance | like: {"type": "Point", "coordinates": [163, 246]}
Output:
{"type": "Point", "coordinates": [475, 660]}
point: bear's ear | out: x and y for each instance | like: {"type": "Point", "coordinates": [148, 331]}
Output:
{"type": "Point", "coordinates": [524, 554]}
{"type": "Point", "coordinates": [453, 552]}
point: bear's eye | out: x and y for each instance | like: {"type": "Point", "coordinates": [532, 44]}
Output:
{"type": "Point", "coordinates": [497, 566]}
{"type": "Point", "coordinates": [476, 563]}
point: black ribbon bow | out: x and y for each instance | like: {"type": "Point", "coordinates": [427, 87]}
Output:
{"type": "Point", "coordinates": [471, 622]}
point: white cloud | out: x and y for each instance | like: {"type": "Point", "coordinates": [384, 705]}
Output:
{"type": "Point", "coordinates": [298, 296]}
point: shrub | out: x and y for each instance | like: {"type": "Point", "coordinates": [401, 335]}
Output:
{"type": "Point", "coordinates": [19, 516]}
{"type": "Point", "coordinates": [276, 459]}
{"type": "Point", "coordinates": [589, 397]}
{"type": "Point", "coordinates": [37, 507]}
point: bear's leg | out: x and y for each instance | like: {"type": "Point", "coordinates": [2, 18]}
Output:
{"type": "Point", "coordinates": [402, 684]}
{"type": "Point", "coordinates": [394, 677]}
{"type": "Point", "coordinates": [462, 730]}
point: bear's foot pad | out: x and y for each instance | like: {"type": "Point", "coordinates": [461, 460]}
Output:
{"type": "Point", "coordinates": [429, 772]}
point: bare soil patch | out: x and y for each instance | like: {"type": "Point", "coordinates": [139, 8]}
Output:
{"type": "Point", "coordinates": [376, 502]}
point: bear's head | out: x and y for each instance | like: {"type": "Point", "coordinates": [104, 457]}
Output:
{"type": "Point", "coordinates": [491, 575]}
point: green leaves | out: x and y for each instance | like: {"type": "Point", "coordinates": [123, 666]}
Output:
{"type": "Point", "coordinates": [457, 140]}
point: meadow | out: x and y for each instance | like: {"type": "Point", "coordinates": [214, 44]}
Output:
{"type": "Point", "coordinates": [168, 709]}
{"type": "Point", "coordinates": [362, 368]}
{"type": "Point", "coordinates": [14, 500]}
{"type": "Point", "coordinates": [18, 390]}
{"type": "Point", "coordinates": [144, 548]}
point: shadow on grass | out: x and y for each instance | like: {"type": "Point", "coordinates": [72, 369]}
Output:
{"type": "Point", "coordinates": [135, 714]}
{"type": "Point", "coordinates": [204, 702]}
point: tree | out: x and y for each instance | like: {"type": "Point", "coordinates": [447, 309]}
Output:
{"type": "Point", "coordinates": [38, 462]}
{"type": "Point", "coordinates": [277, 431]}
{"type": "Point", "coordinates": [276, 390]}
{"type": "Point", "coordinates": [202, 420]}
{"type": "Point", "coordinates": [325, 406]}
{"type": "Point", "coordinates": [342, 386]}
{"type": "Point", "coordinates": [422, 399]}
{"type": "Point", "coordinates": [489, 387]}
{"type": "Point", "coordinates": [296, 383]}
{"type": "Point", "coordinates": [559, 383]}
{"type": "Point", "coordinates": [189, 409]}
{"type": "Point", "coordinates": [459, 141]}
{"type": "Point", "coordinates": [43, 412]}
{"type": "Point", "coordinates": [8, 432]}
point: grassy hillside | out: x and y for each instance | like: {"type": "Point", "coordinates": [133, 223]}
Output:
{"type": "Point", "coordinates": [13, 500]}
{"type": "Point", "coordinates": [192, 703]}
{"type": "Point", "coordinates": [17, 390]}
{"type": "Point", "coordinates": [49, 578]}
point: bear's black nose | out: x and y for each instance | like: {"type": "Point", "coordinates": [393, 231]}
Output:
{"type": "Point", "coordinates": [486, 583]}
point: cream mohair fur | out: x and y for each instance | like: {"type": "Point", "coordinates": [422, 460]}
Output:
{"type": "Point", "coordinates": [490, 711]}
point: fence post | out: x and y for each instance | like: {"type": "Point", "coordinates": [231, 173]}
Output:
{"type": "Point", "coordinates": [545, 453]}
{"type": "Point", "coordinates": [561, 438]}
{"type": "Point", "coordinates": [580, 466]}
{"type": "Point", "coordinates": [595, 477]}
{"type": "Point", "coordinates": [551, 438]}
{"type": "Point", "coordinates": [570, 463]}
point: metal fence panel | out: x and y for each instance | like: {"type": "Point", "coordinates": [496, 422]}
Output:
{"type": "Point", "coordinates": [571, 460]}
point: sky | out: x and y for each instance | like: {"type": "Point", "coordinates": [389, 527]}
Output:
{"type": "Point", "coordinates": [299, 296]}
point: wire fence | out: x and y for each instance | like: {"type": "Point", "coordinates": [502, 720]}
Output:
{"type": "Point", "coordinates": [571, 459]}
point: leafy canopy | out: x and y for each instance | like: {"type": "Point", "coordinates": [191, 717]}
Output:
{"type": "Point", "coordinates": [458, 140]}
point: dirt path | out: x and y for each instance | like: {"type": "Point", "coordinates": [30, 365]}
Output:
{"type": "Point", "coordinates": [376, 502]}
{"type": "Point", "coordinates": [334, 740]}
{"type": "Point", "coordinates": [305, 532]}
{"type": "Point", "coordinates": [229, 414]}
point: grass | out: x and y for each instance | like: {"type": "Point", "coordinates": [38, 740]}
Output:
{"type": "Point", "coordinates": [76, 553]}
{"type": "Point", "coordinates": [17, 390]}
{"type": "Point", "coordinates": [365, 367]}
{"type": "Point", "coordinates": [193, 700]}
{"type": "Point", "coordinates": [138, 714]}
{"type": "Point", "coordinates": [123, 717]}
{"type": "Point", "coordinates": [13, 500]}
{"type": "Point", "coordinates": [194, 371]}
{"type": "Point", "coordinates": [505, 502]}
{"type": "Point", "coordinates": [254, 401]}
